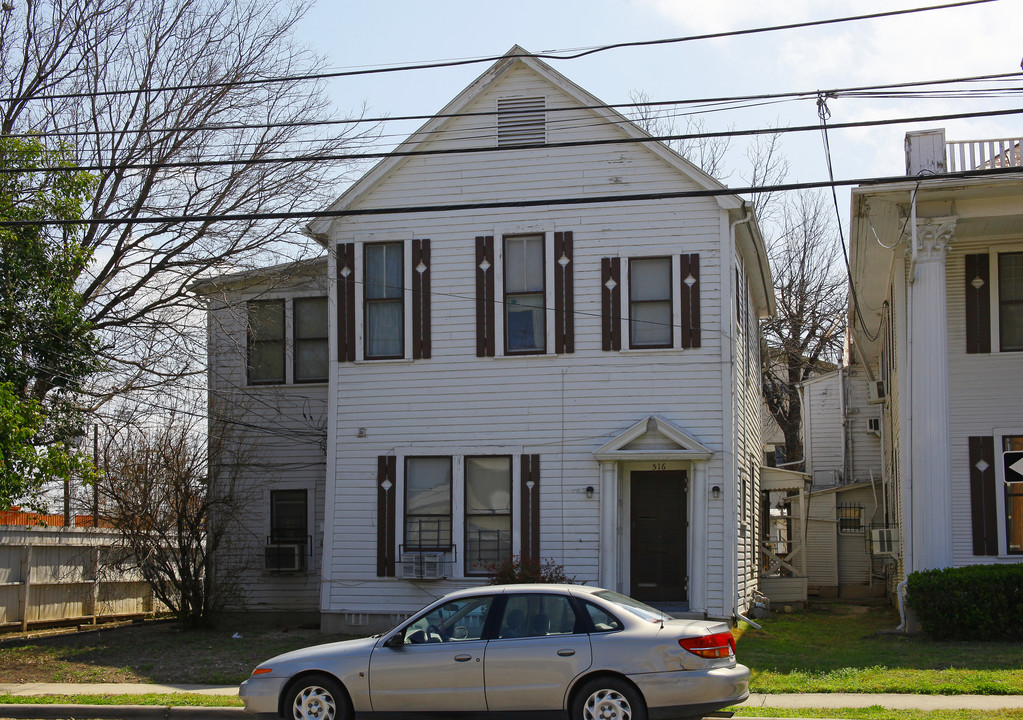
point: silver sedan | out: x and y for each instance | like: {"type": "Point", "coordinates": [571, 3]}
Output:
{"type": "Point", "coordinates": [540, 649]}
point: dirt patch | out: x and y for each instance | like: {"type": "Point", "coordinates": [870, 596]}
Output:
{"type": "Point", "coordinates": [153, 652]}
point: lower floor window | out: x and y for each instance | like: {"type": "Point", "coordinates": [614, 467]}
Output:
{"type": "Point", "coordinates": [484, 482]}
{"type": "Point", "coordinates": [488, 526]}
{"type": "Point", "coordinates": [289, 530]}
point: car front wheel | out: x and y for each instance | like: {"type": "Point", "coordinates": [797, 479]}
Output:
{"type": "Point", "coordinates": [317, 697]}
{"type": "Point", "coordinates": [608, 698]}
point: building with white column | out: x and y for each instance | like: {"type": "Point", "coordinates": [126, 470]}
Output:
{"type": "Point", "coordinates": [936, 322]}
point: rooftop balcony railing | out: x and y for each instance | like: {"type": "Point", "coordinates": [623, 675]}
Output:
{"type": "Point", "coordinates": [983, 154]}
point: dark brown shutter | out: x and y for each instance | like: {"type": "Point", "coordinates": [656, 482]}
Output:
{"type": "Point", "coordinates": [530, 509]}
{"type": "Point", "coordinates": [485, 299]}
{"type": "Point", "coordinates": [689, 293]}
{"type": "Point", "coordinates": [564, 308]}
{"type": "Point", "coordinates": [386, 488]}
{"type": "Point", "coordinates": [982, 495]}
{"type": "Point", "coordinates": [611, 303]}
{"type": "Point", "coordinates": [421, 299]}
{"type": "Point", "coordinates": [346, 302]}
{"type": "Point", "coordinates": [978, 304]}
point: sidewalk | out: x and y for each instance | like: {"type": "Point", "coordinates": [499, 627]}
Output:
{"type": "Point", "coordinates": [822, 701]}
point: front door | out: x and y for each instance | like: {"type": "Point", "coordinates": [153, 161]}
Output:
{"type": "Point", "coordinates": [658, 540]}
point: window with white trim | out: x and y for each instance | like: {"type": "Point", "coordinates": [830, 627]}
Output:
{"type": "Point", "coordinates": [524, 295]}
{"type": "Point", "coordinates": [1010, 301]}
{"type": "Point", "coordinates": [488, 512]}
{"type": "Point", "coordinates": [270, 358]}
{"type": "Point", "coordinates": [383, 300]}
{"type": "Point", "coordinates": [312, 353]}
{"type": "Point", "coordinates": [428, 503]}
{"type": "Point", "coordinates": [266, 345]}
{"type": "Point", "coordinates": [1013, 502]}
{"type": "Point", "coordinates": [650, 303]}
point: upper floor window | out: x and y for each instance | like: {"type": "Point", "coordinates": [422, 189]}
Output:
{"type": "Point", "coordinates": [311, 346]}
{"type": "Point", "coordinates": [524, 294]}
{"type": "Point", "coordinates": [384, 300]}
{"type": "Point", "coordinates": [650, 303]}
{"type": "Point", "coordinates": [266, 346]}
{"type": "Point", "coordinates": [1010, 300]}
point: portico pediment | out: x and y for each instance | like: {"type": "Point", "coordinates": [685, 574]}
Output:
{"type": "Point", "coordinates": [653, 438]}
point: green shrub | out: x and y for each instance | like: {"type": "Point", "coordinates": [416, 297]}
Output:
{"type": "Point", "coordinates": [516, 571]}
{"type": "Point", "coordinates": [976, 602]}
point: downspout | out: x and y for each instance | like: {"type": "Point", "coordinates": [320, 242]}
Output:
{"type": "Point", "coordinates": [846, 453]}
{"type": "Point", "coordinates": [736, 610]}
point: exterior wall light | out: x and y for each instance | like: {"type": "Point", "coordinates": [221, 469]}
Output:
{"type": "Point", "coordinates": [589, 491]}
{"type": "Point", "coordinates": [715, 492]}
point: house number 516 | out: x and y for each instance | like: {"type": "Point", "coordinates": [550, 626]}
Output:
{"type": "Point", "coordinates": [658, 466]}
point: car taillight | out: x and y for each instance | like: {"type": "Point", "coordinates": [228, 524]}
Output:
{"type": "Point", "coordinates": [718, 645]}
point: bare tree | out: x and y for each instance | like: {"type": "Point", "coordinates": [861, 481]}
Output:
{"type": "Point", "coordinates": [805, 336]}
{"type": "Point", "coordinates": [708, 154]}
{"type": "Point", "coordinates": [171, 501]}
{"type": "Point", "coordinates": [142, 90]}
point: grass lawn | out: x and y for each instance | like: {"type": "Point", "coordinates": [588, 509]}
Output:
{"type": "Point", "coordinates": [843, 648]}
{"type": "Point", "coordinates": [153, 652]}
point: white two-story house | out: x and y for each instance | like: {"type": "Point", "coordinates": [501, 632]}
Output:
{"type": "Point", "coordinates": [937, 336]}
{"type": "Point", "coordinates": [534, 336]}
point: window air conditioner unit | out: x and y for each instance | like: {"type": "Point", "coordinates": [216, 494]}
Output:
{"type": "Point", "coordinates": [875, 391]}
{"type": "Point", "coordinates": [422, 566]}
{"type": "Point", "coordinates": [884, 541]}
{"type": "Point", "coordinates": [284, 557]}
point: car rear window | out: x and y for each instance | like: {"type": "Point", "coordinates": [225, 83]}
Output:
{"type": "Point", "coordinates": [633, 606]}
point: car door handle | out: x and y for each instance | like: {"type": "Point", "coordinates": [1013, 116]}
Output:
{"type": "Point", "coordinates": [463, 658]}
{"type": "Point", "coordinates": [566, 653]}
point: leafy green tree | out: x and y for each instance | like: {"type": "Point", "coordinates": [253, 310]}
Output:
{"type": "Point", "coordinates": [46, 344]}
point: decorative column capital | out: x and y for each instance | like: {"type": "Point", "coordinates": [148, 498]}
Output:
{"type": "Point", "coordinates": [934, 237]}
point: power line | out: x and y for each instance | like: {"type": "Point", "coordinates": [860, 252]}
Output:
{"type": "Point", "coordinates": [548, 55]}
{"type": "Point", "coordinates": [852, 92]}
{"type": "Point", "coordinates": [487, 149]}
{"type": "Point", "coordinates": [562, 201]}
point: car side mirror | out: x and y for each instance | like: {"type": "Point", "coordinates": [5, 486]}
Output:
{"type": "Point", "coordinates": [395, 641]}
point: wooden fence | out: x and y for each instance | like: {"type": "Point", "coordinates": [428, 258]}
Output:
{"type": "Point", "coordinates": [50, 575]}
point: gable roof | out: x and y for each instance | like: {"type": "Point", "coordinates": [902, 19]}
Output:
{"type": "Point", "coordinates": [517, 57]}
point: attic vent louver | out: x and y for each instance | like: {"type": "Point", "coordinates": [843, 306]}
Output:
{"type": "Point", "coordinates": [521, 121]}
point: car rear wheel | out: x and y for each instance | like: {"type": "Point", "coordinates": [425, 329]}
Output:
{"type": "Point", "coordinates": [608, 698]}
{"type": "Point", "coordinates": [317, 697]}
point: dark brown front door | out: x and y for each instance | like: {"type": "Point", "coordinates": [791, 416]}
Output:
{"type": "Point", "coordinates": [659, 526]}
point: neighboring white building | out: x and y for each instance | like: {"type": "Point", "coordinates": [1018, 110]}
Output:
{"type": "Point", "coordinates": [546, 349]}
{"type": "Point", "coordinates": [937, 266]}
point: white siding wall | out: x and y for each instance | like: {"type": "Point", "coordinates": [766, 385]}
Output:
{"type": "Point", "coordinates": [980, 399]}
{"type": "Point", "coordinates": [277, 434]}
{"type": "Point", "coordinates": [823, 430]}
{"type": "Point", "coordinates": [562, 408]}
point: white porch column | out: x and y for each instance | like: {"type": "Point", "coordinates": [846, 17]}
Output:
{"type": "Point", "coordinates": [932, 475]}
{"type": "Point", "coordinates": [610, 530]}
{"type": "Point", "coordinates": [698, 513]}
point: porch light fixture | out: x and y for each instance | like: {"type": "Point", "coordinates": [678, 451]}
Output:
{"type": "Point", "coordinates": [715, 492]}
{"type": "Point", "coordinates": [589, 492]}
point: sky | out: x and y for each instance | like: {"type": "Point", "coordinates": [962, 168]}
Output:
{"type": "Point", "coordinates": [939, 44]}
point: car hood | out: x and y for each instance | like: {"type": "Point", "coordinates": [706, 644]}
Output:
{"type": "Point", "coordinates": [346, 648]}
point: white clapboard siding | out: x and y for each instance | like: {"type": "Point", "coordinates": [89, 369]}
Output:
{"type": "Point", "coordinates": [979, 403]}
{"type": "Point", "coordinates": [278, 436]}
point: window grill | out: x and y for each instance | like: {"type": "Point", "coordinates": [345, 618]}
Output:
{"type": "Point", "coordinates": [850, 518]}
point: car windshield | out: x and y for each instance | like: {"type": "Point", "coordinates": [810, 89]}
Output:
{"type": "Point", "coordinates": [634, 606]}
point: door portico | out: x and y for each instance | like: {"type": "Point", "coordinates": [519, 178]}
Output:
{"type": "Point", "coordinates": [654, 459]}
